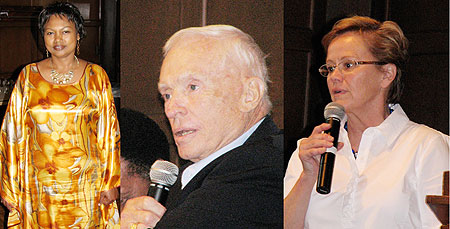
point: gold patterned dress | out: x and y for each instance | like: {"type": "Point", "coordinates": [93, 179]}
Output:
{"type": "Point", "coordinates": [59, 149]}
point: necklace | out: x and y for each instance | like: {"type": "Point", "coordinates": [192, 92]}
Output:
{"type": "Point", "coordinates": [62, 78]}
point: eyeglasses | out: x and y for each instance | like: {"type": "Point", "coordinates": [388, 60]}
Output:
{"type": "Point", "coordinates": [345, 66]}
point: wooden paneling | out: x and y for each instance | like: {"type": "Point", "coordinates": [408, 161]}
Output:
{"type": "Point", "coordinates": [109, 45]}
{"type": "Point", "coordinates": [426, 94]}
{"type": "Point", "coordinates": [425, 97]}
{"type": "Point", "coordinates": [298, 57]}
{"type": "Point", "coordinates": [431, 42]}
{"type": "Point", "coordinates": [430, 15]}
{"type": "Point", "coordinates": [18, 38]}
{"type": "Point", "coordinates": [89, 46]}
{"type": "Point", "coordinates": [295, 88]}
{"type": "Point", "coordinates": [25, 2]}
{"type": "Point", "coordinates": [21, 48]}
{"type": "Point", "coordinates": [298, 13]}
{"type": "Point", "coordinates": [92, 5]}
{"type": "Point", "coordinates": [338, 9]}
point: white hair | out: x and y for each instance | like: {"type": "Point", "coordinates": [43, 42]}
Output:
{"type": "Point", "coordinates": [238, 47]}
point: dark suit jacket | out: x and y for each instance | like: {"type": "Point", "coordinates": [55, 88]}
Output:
{"type": "Point", "coordinates": [241, 189]}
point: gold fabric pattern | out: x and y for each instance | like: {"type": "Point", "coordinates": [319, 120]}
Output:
{"type": "Point", "coordinates": [59, 149]}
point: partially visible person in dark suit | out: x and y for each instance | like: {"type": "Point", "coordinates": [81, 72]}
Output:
{"type": "Point", "coordinates": [214, 84]}
{"type": "Point", "coordinates": [142, 143]}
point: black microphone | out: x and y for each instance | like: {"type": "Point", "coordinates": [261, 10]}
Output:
{"type": "Point", "coordinates": [163, 175]}
{"type": "Point", "coordinates": [334, 113]}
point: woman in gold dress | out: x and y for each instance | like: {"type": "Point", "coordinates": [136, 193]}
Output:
{"type": "Point", "coordinates": [59, 141]}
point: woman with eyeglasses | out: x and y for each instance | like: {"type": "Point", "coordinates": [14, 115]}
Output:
{"type": "Point", "coordinates": [385, 164]}
{"type": "Point", "coordinates": [59, 142]}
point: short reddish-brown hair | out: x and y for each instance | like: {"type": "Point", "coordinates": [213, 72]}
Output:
{"type": "Point", "coordinates": [386, 42]}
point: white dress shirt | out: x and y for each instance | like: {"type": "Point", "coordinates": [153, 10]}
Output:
{"type": "Point", "coordinates": [195, 168]}
{"type": "Point", "coordinates": [399, 163]}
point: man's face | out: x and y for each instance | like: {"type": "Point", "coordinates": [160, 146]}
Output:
{"type": "Point", "coordinates": [201, 100]}
{"type": "Point", "coordinates": [131, 185]}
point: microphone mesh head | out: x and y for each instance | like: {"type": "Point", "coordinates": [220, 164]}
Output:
{"type": "Point", "coordinates": [334, 110]}
{"type": "Point", "coordinates": [164, 172]}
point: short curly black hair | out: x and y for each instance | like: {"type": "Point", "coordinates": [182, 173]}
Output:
{"type": "Point", "coordinates": [65, 9]}
{"type": "Point", "coordinates": [142, 142]}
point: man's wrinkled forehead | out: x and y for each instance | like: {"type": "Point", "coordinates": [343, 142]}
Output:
{"type": "Point", "coordinates": [202, 57]}
{"type": "Point", "coordinates": [200, 44]}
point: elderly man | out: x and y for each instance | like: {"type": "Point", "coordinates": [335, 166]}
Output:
{"type": "Point", "coordinates": [214, 84]}
{"type": "Point", "coordinates": [142, 143]}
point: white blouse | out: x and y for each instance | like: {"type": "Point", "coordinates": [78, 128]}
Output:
{"type": "Point", "coordinates": [399, 163]}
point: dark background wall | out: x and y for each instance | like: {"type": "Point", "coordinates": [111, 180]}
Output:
{"type": "Point", "coordinates": [425, 24]}
{"type": "Point", "coordinates": [146, 25]}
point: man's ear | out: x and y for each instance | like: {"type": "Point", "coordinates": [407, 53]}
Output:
{"type": "Point", "coordinates": [389, 74]}
{"type": "Point", "coordinates": [252, 93]}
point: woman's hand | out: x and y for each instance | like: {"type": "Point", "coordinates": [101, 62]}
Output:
{"type": "Point", "coordinates": [309, 150]}
{"type": "Point", "coordinates": [107, 197]}
{"type": "Point", "coordinates": [312, 147]}
{"type": "Point", "coordinates": [7, 205]}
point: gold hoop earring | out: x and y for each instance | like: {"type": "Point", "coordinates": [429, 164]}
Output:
{"type": "Point", "coordinates": [46, 52]}
{"type": "Point", "coordinates": [78, 47]}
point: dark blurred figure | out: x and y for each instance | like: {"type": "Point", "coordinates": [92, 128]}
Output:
{"type": "Point", "coordinates": [142, 143]}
